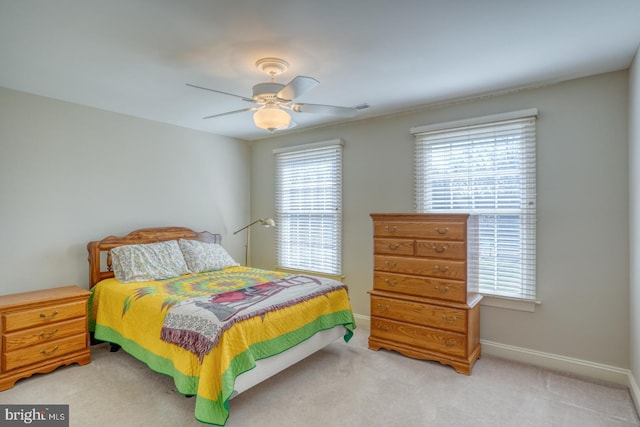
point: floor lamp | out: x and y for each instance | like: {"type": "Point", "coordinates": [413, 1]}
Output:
{"type": "Point", "coordinates": [266, 222]}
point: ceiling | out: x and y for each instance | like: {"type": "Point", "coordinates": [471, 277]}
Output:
{"type": "Point", "coordinates": [135, 56]}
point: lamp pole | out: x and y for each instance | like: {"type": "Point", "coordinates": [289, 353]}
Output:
{"type": "Point", "coordinates": [267, 222]}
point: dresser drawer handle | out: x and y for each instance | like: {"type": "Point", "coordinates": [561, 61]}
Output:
{"type": "Point", "coordinates": [391, 229]}
{"type": "Point", "coordinates": [442, 290]}
{"type": "Point", "coordinates": [54, 314]}
{"type": "Point", "coordinates": [53, 350]}
{"type": "Point", "coordinates": [442, 230]}
{"type": "Point", "coordinates": [451, 342]}
{"type": "Point", "coordinates": [390, 282]}
{"type": "Point", "coordinates": [382, 328]}
{"type": "Point", "coordinates": [46, 336]}
{"type": "Point", "coordinates": [441, 270]}
{"type": "Point", "coordinates": [393, 246]}
{"type": "Point", "coordinates": [382, 308]}
{"type": "Point", "coordinates": [390, 264]}
{"type": "Point", "coordinates": [440, 249]}
{"type": "Point", "coordinates": [451, 319]}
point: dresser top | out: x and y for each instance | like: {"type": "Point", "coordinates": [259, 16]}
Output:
{"type": "Point", "coordinates": [42, 295]}
{"type": "Point", "coordinates": [419, 216]}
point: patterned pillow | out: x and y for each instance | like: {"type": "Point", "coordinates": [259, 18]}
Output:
{"type": "Point", "coordinates": [201, 256]}
{"type": "Point", "coordinates": [145, 262]}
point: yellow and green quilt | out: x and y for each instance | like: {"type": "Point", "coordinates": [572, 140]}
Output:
{"type": "Point", "coordinates": [205, 329]}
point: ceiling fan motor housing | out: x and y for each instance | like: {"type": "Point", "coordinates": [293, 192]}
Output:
{"type": "Point", "coordinates": [266, 92]}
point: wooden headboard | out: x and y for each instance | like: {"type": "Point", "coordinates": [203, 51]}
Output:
{"type": "Point", "coordinates": [143, 235]}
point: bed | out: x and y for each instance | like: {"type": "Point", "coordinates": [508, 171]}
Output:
{"type": "Point", "coordinates": [215, 327]}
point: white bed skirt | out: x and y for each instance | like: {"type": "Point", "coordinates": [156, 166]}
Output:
{"type": "Point", "coordinates": [267, 368]}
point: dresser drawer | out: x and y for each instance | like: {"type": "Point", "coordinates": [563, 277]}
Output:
{"type": "Point", "coordinates": [42, 352]}
{"type": "Point", "coordinates": [44, 333]}
{"type": "Point", "coordinates": [43, 315]}
{"type": "Point", "coordinates": [445, 269]}
{"type": "Point", "coordinates": [394, 246]}
{"type": "Point", "coordinates": [450, 343]}
{"type": "Point", "coordinates": [449, 230]}
{"type": "Point", "coordinates": [447, 290]}
{"type": "Point", "coordinates": [441, 250]}
{"type": "Point", "coordinates": [435, 316]}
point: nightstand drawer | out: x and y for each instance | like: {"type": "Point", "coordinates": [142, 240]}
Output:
{"type": "Point", "coordinates": [436, 316]}
{"type": "Point", "coordinates": [45, 351]}
{"type": "Point", "coordinates": [44, 315]}
{"type": "Point", "coordinates": [43, 334]}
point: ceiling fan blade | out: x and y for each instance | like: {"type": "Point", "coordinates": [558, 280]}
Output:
{"type": "Point", "coordinates": [224, 93]}
{"type": "Point", "coordinates": [297, 87]}
{"type": "Point", "coordinates": [325, 109]}
{"type": "Point", "coordinates": [230, 112]}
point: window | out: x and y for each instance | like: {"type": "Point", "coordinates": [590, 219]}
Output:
{"type": "Point", "coordinates": [486, 166]}
{"type": "Point", "coordinates": [309, 207]}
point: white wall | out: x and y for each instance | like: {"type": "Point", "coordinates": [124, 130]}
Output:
{"type": "Point", "coordinates": [634, 220]}
{"type": "Point", "coordinates": [583, 210]}
{"type": "Point", "coordinates": [70, 174]}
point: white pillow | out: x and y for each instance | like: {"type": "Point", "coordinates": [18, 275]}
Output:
{"type": "Point", "coordinates": [146, 262]}
{"type": "Point", "coordinates": [201, 256]}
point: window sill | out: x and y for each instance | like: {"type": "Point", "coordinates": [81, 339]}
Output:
{"type": "Point", "coordinates": [508, 303]}
{"type": "Point", "coordinates": [339, 278]}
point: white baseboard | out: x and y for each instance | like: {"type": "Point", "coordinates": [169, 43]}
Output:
{"type": "Point", "coordinates": [556, 362]}
{"type": "Point", "coordinates": [635, 392]}
{"type": "Point", "coordinates": [362, 321]}
{"type": "Point", "coordinates": [583, 368]}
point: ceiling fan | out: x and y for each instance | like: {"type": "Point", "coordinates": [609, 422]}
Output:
{"type": "Point", "coordinates": [272, 99]}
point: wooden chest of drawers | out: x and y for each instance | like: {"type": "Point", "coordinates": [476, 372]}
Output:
{"type": "Point", "coordinates": [41, 331]}
{"type": "Point", "coordinates": [424, 302]}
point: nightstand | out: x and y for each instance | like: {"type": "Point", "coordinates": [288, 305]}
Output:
{"type": "Point", "coordinates": [41, 331]}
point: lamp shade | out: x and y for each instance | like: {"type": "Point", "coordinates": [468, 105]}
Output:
{"type": "Point", "coordinates": [271, 118]}
{"type": "Point", "coordinates": [268, 222]}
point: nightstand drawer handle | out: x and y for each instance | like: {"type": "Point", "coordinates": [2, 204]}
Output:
{"type": "Point", "coordinates": [46, 336]}
{"type": "Point", "coordinates": [54, 314]}
{"type": "Point", "coordinates": [442, 230]}
{"type": "Point", "coordinates": [449, 342]}
{"type": "Point", "coordinates": [43, 351]}
{"type": "Point", "coordinates": [382, 308]}
{"type": "Point", "coordinates": [393, 246]}
{"type": "Point", "coordinates": [451, 319]}
{"type": "Point", "coordinates": [443, 290]}
{"type": "Point", "coordinates": [390, 264]}
{"type": "Point", "coordinates": [391, 229]}
{"type": "Point", "coordinates": [390, 282]}
{"type": "Point", "coordinates": [440, 249]}
{"type": "Point", "coordinates": [382, 328]}
{"type": "Point", "coordinates": [441, 270]}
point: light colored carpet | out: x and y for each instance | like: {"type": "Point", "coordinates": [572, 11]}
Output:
{"type": "Point", "coordinates": [342, 385]}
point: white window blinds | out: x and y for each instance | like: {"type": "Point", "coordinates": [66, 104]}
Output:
{"type": "Point", "coordinates": [487, 169]}
{"type": "Point", "coordinates": [309, 207]}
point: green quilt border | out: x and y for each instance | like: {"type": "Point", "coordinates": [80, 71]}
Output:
{"type": "Point", "coordinates": [217, 411]}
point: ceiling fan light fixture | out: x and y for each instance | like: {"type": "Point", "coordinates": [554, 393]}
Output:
{"type": "Point", "coordinates": [271, 118]}
{"type": "Point", "coordinates": [273, 101]}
